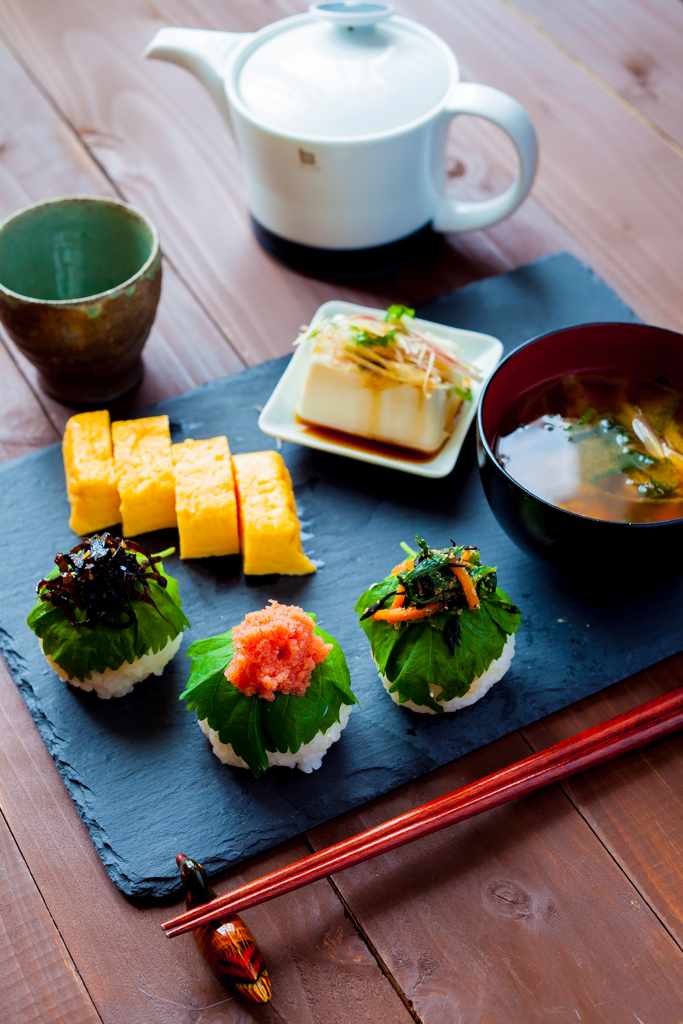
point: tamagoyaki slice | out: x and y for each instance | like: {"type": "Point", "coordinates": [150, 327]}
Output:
{"type": "Point", "coordinates": [142, 453]}
{"type": "Point", "coordinates": [205, 500]}
{"type": "Point", "coordinates": [268, 521]}
{"type": "Point", "coordinates": [90, 472]}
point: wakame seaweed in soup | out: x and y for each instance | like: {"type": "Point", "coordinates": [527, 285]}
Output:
{"type": "Point", "coordinates": [601, 444]}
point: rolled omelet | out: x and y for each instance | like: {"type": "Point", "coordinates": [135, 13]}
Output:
{"type": "Point", "coordinates": [270, 532]}
{"type": "Point", "coordinates": [142, 453]}
{"type": "Point", "coordinates": [205, 500]}
{"type": "Point", "coordinates": [90, 472]}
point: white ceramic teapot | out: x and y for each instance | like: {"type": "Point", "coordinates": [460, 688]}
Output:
{"type": "Point", "coordinates": [340, 116]}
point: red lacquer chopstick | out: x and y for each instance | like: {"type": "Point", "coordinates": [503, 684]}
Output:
{"type": "Point", "coordinates": [650, 721]}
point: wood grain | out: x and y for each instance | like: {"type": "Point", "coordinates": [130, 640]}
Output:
{"type": "Point", "coordinates": [634, 45]}
{"type": "Point", "coordinates": [516, 915]}
{"type": "Point", "coordinates": [24, 425]}
{"type": "Point", "coordinates": [156, 131]}
{"type": "Point", "coordinates": [38, 979]}
{"type": "Point", "coordinates": [606, 177]}
{"type": "Point", "coordinates": [532, 914]}
{"type": "Point", "coordinates": [616, 203]}
{"type": "Point", "coordinates": [319, 967]}
{"type": "Point", "coordinates": [634, 805]}
{"type": "Point", "coordinates": [41, 157]}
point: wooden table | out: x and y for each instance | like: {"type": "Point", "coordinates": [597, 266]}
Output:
{"type": "Point", "coordinates": [564, 906]}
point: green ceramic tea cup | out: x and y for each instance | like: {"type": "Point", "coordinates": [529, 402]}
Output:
{"type": "Point", "coordinates": [80, 279]}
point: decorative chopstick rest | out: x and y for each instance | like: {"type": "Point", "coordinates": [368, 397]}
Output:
{"type": "Point", "coordinates": [142, 453]}
{"type": "Point", "coordinates": [91, 483]}
{"type": "Point", "coordinates": [205, 500]}
{"type": "Point", "coordinates": [227, 945]}
{"type": "Point", "coordinates": [269, 526]}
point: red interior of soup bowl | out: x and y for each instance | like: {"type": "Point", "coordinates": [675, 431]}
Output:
{"type": "Point", "coordinates": [638, 349]}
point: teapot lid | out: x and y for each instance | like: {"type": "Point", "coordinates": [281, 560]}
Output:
{"type": "Point", "coordinates": [344, 70]}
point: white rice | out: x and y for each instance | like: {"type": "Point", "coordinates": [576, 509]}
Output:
{"type": "Point", "coordinates": [479, 686]}
{"type": "Point", "coordinates": [307, 759]}
{"type": "Point", "coordinates": [117, 682]}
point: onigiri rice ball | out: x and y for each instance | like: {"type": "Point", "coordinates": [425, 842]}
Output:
{"type": "Point", "coordinates": [479, 686]}
{"type": "Point", "coordinates": [117, 682]}
{"type": "Point", "coordinates": [308, 757]}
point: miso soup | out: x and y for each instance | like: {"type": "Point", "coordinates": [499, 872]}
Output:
{"type": "Point", "coordinates": [600, 444]}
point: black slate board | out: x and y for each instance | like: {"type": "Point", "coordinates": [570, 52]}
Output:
{"type": "Point", "coordinates": [138, 769]}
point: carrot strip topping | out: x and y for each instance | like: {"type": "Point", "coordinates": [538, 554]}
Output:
{"type": "Point", "coordinates": [399, 598]}
{"type": "Point", "coordinates": [407, 614]}
{"type": "Point", "coordinates": [403, 566]}
{"type": "Point", "coordinates": [463, 577]}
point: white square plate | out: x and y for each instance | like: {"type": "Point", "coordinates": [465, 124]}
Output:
{"type": "Point", "coordinates": [279, 415]}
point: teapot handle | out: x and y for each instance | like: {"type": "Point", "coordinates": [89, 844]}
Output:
{"type": "Point", "coordinates": [508, 114]}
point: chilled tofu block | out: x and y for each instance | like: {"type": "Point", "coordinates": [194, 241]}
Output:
{"type": "Point", "coordinates": [400, 414]}
{"type": "Point", "coordinates": [142, 453]}
{"type": "Point", "coordinates": [205, 501]}
{"type": "Point", "coordinates": [90, 472]}
{"type": "Point", "coordinates": [269, 525]}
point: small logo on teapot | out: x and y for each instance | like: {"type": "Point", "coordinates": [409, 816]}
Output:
{"type": "Point", "coordinates": [306, 158]}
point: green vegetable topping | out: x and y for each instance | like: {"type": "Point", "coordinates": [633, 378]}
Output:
{"type": "Point", "coordinates": [363, 337]}
{"type": "Point", "coordinates": [105, 603]}
{"type": "Point", "coordinates": [253, 726]}
{"type": "Point", "coordinates": [396, 312]}
{"type": "Point", "coordinates": [454, 643]}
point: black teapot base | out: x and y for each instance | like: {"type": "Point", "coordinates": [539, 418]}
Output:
{"type": "Point", "coordinates": [347, 264]}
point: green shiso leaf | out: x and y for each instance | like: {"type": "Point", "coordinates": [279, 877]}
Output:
{"type": "Point", "coordinates": [80, 651]}
{"type": "Point", "coordinates": [415, 656]}
{"type": "Point", "coordinates": [253, 725]}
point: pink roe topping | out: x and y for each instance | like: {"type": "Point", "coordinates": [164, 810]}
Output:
{"type": "Point", "coordinates": [275, 652]}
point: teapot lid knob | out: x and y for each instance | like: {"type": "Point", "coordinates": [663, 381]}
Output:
{"type": "Point", "coordinates": [349, 13]}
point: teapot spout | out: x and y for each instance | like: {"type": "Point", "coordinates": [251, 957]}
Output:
{"type": "Point", "coordinates": [206, 54]}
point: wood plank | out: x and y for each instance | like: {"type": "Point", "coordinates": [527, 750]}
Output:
{"type": "Point", "coordinates": [38, 980]}
{"type": "Point", "coordinates": [607, 178]}
{"type": "Point", "coordinates": [319, 967]}
{"type": "Point", "coordinates": [617, 204]}
{"type": "Point", "coordinates": [42, 157]}
{"type": "Point", "coordinates": [518, 915]}
{"type": "Point", "coordinates": [634, 45]}
{"type": "Point", "coordinates": [24, 425]}
{"type": "Point", "coordinates": [155, 130]}
{"type": "Point", "coordinates": [634, 804]}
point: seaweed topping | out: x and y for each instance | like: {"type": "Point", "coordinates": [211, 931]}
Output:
{"type": "Point", "coordinates": [100, 577]}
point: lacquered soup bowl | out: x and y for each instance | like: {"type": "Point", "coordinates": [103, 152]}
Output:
{"type": "Point", "coordinates": [541, 529]}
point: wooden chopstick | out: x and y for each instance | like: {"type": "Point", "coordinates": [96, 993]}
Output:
{"type": "Point", "coordinates": [643, 724]}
